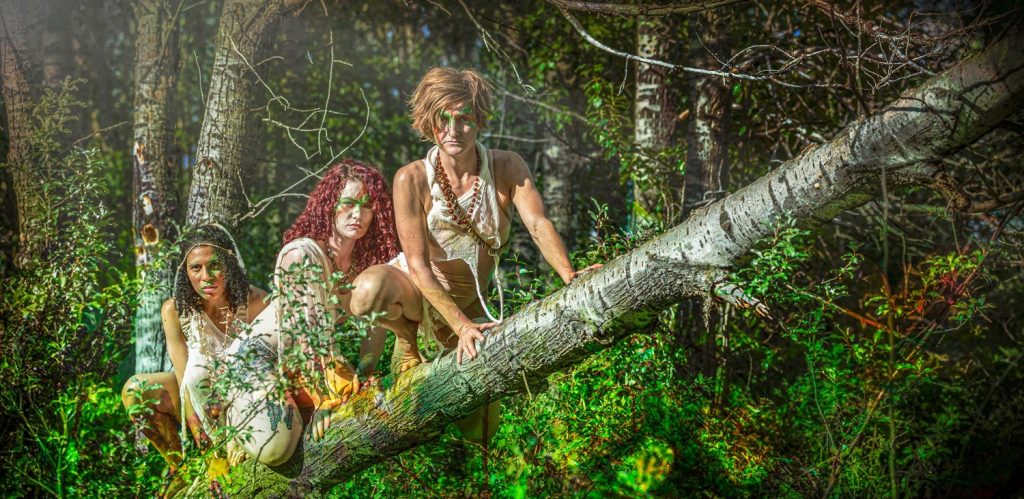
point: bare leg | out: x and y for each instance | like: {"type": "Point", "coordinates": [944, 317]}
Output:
{"type": "Point", "coordinates": [159, 393]}
{"type": "Point", "coordinates": [383, 288]}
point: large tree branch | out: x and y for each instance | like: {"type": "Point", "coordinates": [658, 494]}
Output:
{"type": "Point", "coordinates": [948, 112]}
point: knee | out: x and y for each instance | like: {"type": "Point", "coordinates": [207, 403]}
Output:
{"type": "Point", "coordinates": [367, 293]}
{"type": "Point", "coordinates": [131, 392]}
{"type": "Point", "coordinates": [275, 452]}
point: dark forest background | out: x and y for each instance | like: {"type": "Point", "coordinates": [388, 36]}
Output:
{"type": "Point", "coordinates": [891, 366]}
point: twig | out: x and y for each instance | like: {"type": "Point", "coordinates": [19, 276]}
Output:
{"type": "Point", "coordinates": [675, 67]}
{"type": "Point", "coordinates": [643, 10]}
{"type": "Point", "coordinates": [545, 105]}
{"type": "Point", "coordinates": [97, 132]}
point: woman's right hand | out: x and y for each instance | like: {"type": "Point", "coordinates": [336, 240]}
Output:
{"type": "Point", "coordinates": [322, 419]}
{"type": "Point", "coordinates": [468, 333]}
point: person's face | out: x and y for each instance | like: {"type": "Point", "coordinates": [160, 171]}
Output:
{"type": "Point", "coordinates": [354, 210]}
{"type": "Point", "coordinates": [458, 129]}
{"type": "Point", "coordinates": [206, 272]}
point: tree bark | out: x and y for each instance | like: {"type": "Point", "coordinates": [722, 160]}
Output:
{"type": "Point", "coordinates": [945, 114]}
{"type": "Point", "coordinates": [707, 158]}
{"type": "Point", "coordinates": [154, 194]}
{"type": "Point", "coordinates": [707, 162]}
{"type": "Point", "coordinates": [558, 165]}
{"type": "Point", "coordinates": [21, 25]}
{"type": "Point", "coordinates": [227, 138]}
{"type": "Point", "coordinates": [653, 118]}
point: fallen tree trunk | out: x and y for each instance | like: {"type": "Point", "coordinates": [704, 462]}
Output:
{"type": "Point", "coordinates": [948, 112]}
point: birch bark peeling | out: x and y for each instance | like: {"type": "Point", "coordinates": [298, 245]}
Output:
{"type": "Point", "coordinates": [947, 113]}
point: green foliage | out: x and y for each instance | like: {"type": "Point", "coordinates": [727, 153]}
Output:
{"type": "Point", "coordinates": [66, 318]}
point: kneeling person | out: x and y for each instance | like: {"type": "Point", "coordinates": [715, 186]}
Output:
{"type": "Point", "coordinates": [453, 211]}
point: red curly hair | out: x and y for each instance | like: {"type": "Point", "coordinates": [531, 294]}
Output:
{"type": "Point", "coordinates": [380, 244]}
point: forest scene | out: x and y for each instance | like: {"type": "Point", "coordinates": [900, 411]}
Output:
{"type": "Point", "coordinates": [750, 248]}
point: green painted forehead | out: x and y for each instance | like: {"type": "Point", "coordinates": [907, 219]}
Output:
{"type": "Point", "coordinates": [448, 117]}
{"type": "Point", "coordinates": [350, 201]}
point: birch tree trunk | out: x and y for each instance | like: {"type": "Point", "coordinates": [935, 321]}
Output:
{"type": "Point", "coordinates": [707, 159]}
{"type": "Point", "coordinates": [21, 24]}
{"type": "Point", "coordinates": [227, 139]}
{"type": "Point", "coordinates": [653, 119]}
{"type": "Point", "coordinates": [154, 194]}
{"type": "Point", "coordinates": [558, 165]}
{"type": "Point", "coordinates": [945, 114]}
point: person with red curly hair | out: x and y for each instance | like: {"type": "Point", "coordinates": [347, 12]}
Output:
{"type": "Point", "coordinates": [347, 226]}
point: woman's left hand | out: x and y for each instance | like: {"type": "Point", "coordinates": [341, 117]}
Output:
{"type": "Point", "coordinates": [578, 273]}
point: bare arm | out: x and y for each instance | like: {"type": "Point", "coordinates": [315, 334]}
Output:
{"type": "Point", "coordinates": [177, 350]}
{"type": "Point", "coordinates": [528, 202]}
{"type": "Point", "coordinates": [411, 219]}
{"type": "Point", "coordinates": [257, 302]}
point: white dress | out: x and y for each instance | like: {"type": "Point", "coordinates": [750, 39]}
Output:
{"type": "Point", "coordinates": [206, 344]}
{"type": "Point", "coordinates": [266, 417]}
{"type": "Point", "coordinates": [455, 245]}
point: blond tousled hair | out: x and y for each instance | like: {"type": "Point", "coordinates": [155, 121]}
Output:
{"type": "Point", "coordinates": [442, 88]}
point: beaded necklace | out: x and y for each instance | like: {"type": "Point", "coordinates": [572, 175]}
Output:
{"type": "Point", "coordinates": [461, 217]}
{"type": "Point", "coordinates": [345, 276]}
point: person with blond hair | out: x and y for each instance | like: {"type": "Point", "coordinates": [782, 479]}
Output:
{"type": "Point", "coordinates": [453, 211]}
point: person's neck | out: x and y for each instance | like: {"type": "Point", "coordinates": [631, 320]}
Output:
{"type": "Point", "coordinates": [342, 248]}
{"type": "Point", "coordinates": [215, 308]}
{"type": "Point", "coordinates": [462, 164]}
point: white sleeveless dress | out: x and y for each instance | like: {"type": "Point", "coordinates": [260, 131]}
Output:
{"type": "Point", "coordinates": [205, 343]}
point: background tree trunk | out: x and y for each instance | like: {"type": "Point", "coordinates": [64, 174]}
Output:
{"type": "Point", "coordinates": [653, 119]}
{"type": "Point", "coordinates": [599, 308]}
{"type": "Point", "coordinates": [707, 158]}
{"type": "Point", "coordinates": [154, 194]}
{"type": "Point", "coordinates": [707, 162]}
{"type": "Point", "coordinates": [21, 24]}
{"type": "Point", "coordinates": [227, 139]}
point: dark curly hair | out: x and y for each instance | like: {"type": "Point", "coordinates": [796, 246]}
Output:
{"type": "Point", "coordinates": [186, 300]}
{"type": "Point", "coordinates": [380, 244]}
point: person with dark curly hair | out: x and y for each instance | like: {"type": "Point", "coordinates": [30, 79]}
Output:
{"type": "Point", "coordinates": [347, 226]}
{"type": "Point", "coordinates": [211, 302]}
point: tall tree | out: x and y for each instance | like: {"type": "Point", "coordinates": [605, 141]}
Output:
{"type": "Point", "coordinates": [707, 158]}
{"type": "Point", "coordinates": [21, 22]}
{"type": "Point", "coordinates": [230, 125]}
{"type": "Point", "coordinates": [654, 117]}
{"type": "Point", "coordinates": [154, 194]}
{"type": "Point", "coordinates": [901, 141]}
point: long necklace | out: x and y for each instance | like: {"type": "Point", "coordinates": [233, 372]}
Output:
{"type": "Point", "coordinates": [461, 217]}
{"type": "Point", "coordinates": [345, 277]}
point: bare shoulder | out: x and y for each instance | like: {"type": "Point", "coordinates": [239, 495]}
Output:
{"type": "Point", "coordinates": [411, 175]}
{"type": "Point", "coordinates": [167, 310]}
{"type": "Point", "coordinates": [509, 167]}
{"type": "Point", "coordinates": [297, 251]}
{"type": "Point", "coordinates": [257, 301]}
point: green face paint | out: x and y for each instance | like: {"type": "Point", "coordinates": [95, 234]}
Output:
{"type": "Point", "coordinates": [346, 201]}
{"type": "Point", "coordinates": [462, 116]}
{"type": "Point", "coordinates": [213, 267]}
